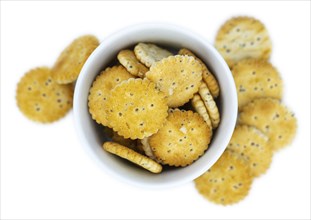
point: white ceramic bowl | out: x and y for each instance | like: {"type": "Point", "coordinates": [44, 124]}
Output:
{"type": "Point", "coordinates": [92, 137]}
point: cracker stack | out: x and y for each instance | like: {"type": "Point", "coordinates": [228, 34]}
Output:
{"type": "Point", "coordinates": [264, 126]}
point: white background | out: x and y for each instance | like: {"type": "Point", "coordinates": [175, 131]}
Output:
{"type": "Point", "coordinates": [45, 172]}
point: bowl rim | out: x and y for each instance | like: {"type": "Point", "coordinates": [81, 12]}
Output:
{"type": "Point", "coordinates": [123, 32]}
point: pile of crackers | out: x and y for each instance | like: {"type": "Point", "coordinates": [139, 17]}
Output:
{"type": "Point", "coordinates": [45, 94]}
{"type": "Point", "coordinates": [159, 109]}
{"type": "Point", "coordinates": [141, 102]}
{"type": "Point", "coordinates": [265, 125]}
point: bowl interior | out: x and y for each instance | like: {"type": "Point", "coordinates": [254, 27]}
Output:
{"type": "Point", "coordinates": [168, 35]}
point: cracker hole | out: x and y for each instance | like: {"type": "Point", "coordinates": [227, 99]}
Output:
{"type": "Point", "coordinates": [231, 167]}
{"type": "Point", "coordinates": [268, 79]}
{"type": "Point", "coordinates": [252, 43]}
{"type": "Point", "coordinates": [38, 109]}
{"type": "Point", "coordinates": [120, 114]}
{"type": "Point", "coordinates": [117, 79]}
{"type": "Point", "coordinates": [61, 105]}
{"type": "Point", "coordinates": [254, 164]}
{"type": "Point", "coordinates": [59, 100]}
{"type": "Point", "coordinates": [238, 30]}
{"type": "Point", "coordinates": [228, 51]}
{"type": "Point", "coordinates": [168, 151]}
{"type": "Point", "coordinates": [29, 88]}
{"type": "Point", "coordinates": [43, 94]}
{"type": "Point", "coordinates": [254, 72]}
{"type": "Point", "coordinates": [136, 109]}
{"type": "Point", "coordinates": [151, 105]}
{"type": "Point", "coordinates": [170, 131]}
{"type": "Point", "coordinates": [280, 136]}
{"type": "Point", "coordinates": [258, 39]}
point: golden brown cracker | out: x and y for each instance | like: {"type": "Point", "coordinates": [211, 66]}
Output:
{"type": "Point", "coordinates": [40, 98]}
{"type": "Point", "coordinates": [207, 76]}
{"type": "Point", "coordinates": [243, 37]}
{"type": "Point", "coordinates": [272, 118]}
{"type": "Point", "coordinates": [253, 145]}
{"type": "Point", "coordinates": [128, 59]}
{"type": "Point", "coordinates": [101, 89]}
{"type": "Point", "coordinates": [149, 54]}
{"type": "Point", "coordinates": [133, 157]}
{"type": "Point", "coordinates": [70, 62]}
{"type": "Point", "coordinates": [136, 109]}
{"type": "Point", "coordinates": [198, 104]}
{"type": "Point", "coordinates": [227, 182]}
{"type": "Point", "coordinates": [256, 79]}
{"type": "Point", "coordinates": [210, 105]}
{"type": "Point", "coordinates": [179, 77]}
{"type": "Point", "coordinates": [182, 140]}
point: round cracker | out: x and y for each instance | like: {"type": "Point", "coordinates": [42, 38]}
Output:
{"type": "Point", "coordinates": [182, 140]}
{"type": "Point", "coordinates": [198, 104]}
{"type": "Point", "coordinates": [207, 76]}
{"type": "Point", "coordinates": [133, 157]}
{"type": "Point", "coordinates": [228, 181]}
{"type": "Point", "coordinates": [149, 54]}
{"type": "Point", "coordinates": [210, 105]}
{"type": "Point", "coordinates": [40, 98]}
{"type": "Point", "coordinates": [179, 77]}
{"type": "Point", "coordinates": [136, 109]}
{"type": "Point", "coordinates": [101, 89]}
{"type": "Point", "coordinates": [256, 79]}
{"type": "Point", "coordinates": [128, 59]}
{"type": "Point", "coordinates": [251, 143]}
{"type": "Point", "coordinates": [70, 62]}
{"type": "Point", "coordinates": [243, 37]}
{"type": "Point", "coordinates": [272, 118]}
